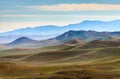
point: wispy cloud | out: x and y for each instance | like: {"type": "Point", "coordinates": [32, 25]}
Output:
{"type": "Point", "coordinates": [33, 15]}
{"type": "Point", "coordinates": [16, 15]}
{"type": "Point", "coordinates": [77, 7]}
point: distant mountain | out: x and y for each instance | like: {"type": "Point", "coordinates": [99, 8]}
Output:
{"type": "Point", "coordinates": [52, 31]}
{"type": "Point", "coordinates": [10, 38]}
{"type": "Point", "coordinates": [22, 41]}
{"type": "Point", "coordinates": [39, 30]}
{"type": "Point", "coordinates": [88, 36]}
{"type": "Point", "coordinates": [96, 25]}
{"type": "Point", "coordinates": [70, 37]}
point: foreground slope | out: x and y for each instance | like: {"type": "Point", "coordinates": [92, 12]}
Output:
{"type": "Point", "coordinates": [89, 52]}
{"type": "Point", "coordinates": [68, 53]}
{"type": "Point", "coordinates": [93, 60]}
{"type": "Point", "coordinates": [101, 44]}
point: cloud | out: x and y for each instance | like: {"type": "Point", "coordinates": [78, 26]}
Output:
{"type": "Point", "coordinates": [77, 7]}
{"type": "Point", "coordinates": [16, 15]}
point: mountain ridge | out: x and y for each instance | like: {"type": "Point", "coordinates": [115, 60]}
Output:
{"type": "Point", "coordinates": [87, 23]}
{"type": "Point", "coordinates": [22, 40]}
{"type": "Point", "coordinates": [81, 35]}
{"type": "Point", "coordinates": [50, 31]}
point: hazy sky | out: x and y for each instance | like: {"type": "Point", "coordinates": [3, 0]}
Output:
{"type": "Point", "coordinates": [29, 13]}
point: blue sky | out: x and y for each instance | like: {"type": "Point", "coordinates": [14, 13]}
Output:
{"type": "Point", "coordinates": [29, 13]}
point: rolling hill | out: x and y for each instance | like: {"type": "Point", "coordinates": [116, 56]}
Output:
{"type": "Point", "coordinates": [80, 54]}
{"type": "Point", "coordinates": [87, 53]}
{"type": "Point", "coordinates": [74, 42]}
{"type": "Point", "coordinates": [99, 44]}
{"type": "Point", "coordinates": [98, 57]}
{"type": "Point", "coordinates": [51, 53]}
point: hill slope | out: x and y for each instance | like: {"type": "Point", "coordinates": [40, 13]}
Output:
{"type": "Point", "coordinates": [104, 56]}
{"type": "Point", "coordinates": [74, 41]}
{"type": "Point", "coordinates": [99, 44]}
{"type": "Point", "coordinates": [107, 50]}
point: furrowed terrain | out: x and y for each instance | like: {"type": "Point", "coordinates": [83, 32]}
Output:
{"type": "Point", "coordinates": [92, 60]}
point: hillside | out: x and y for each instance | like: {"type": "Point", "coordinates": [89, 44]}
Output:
{"type": "Point", "coordinates": [99, 58]}
{"type": "Point", "coordinates": [99, 44]}
{"type": "Point", "coordinates": [86, 52]}
{"type": "Point", "coordinates": [82, 56]}
{"type": "Point", "coordinates": [74, 42]}
{"type": "Point", "coordinates": [67, 53]}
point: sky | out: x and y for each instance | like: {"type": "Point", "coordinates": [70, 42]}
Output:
{"type": "Point", "coordinates": [16, 14]}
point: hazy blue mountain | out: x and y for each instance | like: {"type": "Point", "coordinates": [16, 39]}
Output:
{"type": "Point", "coordinates": [83, 36]}
{"type": "Point", "coordinates": [10, 38]}
{"type": "Point", "coordinates": [50, 31]}
{"type": "Point", "coordinates": [24, 42]}
{"type": "Point", "coordinates": [96, 25]}
{"type": "Point", "coordinates": [21, 41]}
{"type": "Point", "coordinates": [116, 33]}
{"type": "Point", "coordinates": [39, 30]}
{"type": "Point", "coordinates": [88, 35]}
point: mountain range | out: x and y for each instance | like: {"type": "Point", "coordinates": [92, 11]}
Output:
{"type": "Point", "coordinates": [22, 40]}
{"type": "Point", "coordinates": [75, 36]}
{"type": "Point", "coordinates": [64, 54]}
{"type": "Point", "coordinates": [50, 31]}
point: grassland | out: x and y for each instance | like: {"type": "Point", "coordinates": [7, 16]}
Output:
{"type": "Point", "coordinates": [90, 61]}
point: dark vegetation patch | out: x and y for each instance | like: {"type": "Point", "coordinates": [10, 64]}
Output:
{"type": "Point", "coordinates": [54, 55]}
{"type": "Point", "coordinates": [98, 44]}
{"type": "Point", "coordinates": [79, 74]}
{"type": "Point", "coordinates": [13, 56]}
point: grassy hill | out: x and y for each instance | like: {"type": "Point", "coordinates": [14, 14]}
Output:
{"type": "Point", "coordinates": [98, 44]}
{"type": "Point", "coordinates": [82, 56]}
{"type": "Point", "coordinates": [93, 60]}
{"type": "Point", "coordinates": [27, 51]}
